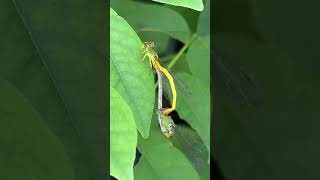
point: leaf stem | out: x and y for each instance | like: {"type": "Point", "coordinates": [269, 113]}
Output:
{"type": "Point", "coordinates": [182, 50]}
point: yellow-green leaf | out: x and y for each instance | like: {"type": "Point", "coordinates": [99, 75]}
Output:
{"type": "Point", "coordinates": [123, 137]}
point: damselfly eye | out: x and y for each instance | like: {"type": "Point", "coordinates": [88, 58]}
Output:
{"type": "Point", "coordinates": [172, 127]}
{"type": "Point", "coordinates": [148, 44]}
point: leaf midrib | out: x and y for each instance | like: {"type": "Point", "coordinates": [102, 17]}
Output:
{"type": "Point", "coordinates": [29, 30]}
{"type": "Point", "coordinates": [126, 88]}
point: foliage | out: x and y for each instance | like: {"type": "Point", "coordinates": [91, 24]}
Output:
{"type": "Point", "coordinates": [194, 4]}
{"type": "Point", "coordinates": [267, 112]}
{"type": "Point", "coordinates": [123, 137]}
{"type": "Point", "coordinates": [131, 23]}
{"type": "Point", "coordinates": [53, 89]}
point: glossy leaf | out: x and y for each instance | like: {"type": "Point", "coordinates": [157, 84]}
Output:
{"type": "Point", "coordinates": [123, 138]}
{"type": "Point", "coordinates": [128, 74]}
{"type": "Point", "coordinates": [144, 17]}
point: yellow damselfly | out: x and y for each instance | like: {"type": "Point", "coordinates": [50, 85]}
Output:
{"type": "Point", "coordinates": [154, 62]}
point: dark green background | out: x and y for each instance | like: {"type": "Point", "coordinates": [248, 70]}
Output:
{"type": "Point", "coordinates": [53, 89]}
{"type": "Point", "coordinates": [266, 110]}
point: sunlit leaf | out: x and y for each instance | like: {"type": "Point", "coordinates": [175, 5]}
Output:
{"type": "Point", "coordinates": [128, 74]}
{"type": "Point", "coordinates": [123, 137]}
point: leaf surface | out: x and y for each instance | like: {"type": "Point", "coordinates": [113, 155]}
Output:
{"type": "Point", "coordinates": [192, 4]}
{"type": "Point", "coordinates": [154, 18]}
{"type": "Point", "coordinates": [123, 138]}
{"type": "Point", "coordinates": [128, 74]}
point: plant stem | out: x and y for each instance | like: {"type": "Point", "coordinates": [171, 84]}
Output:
{"type": "Point", "coordinates": [182, 50]}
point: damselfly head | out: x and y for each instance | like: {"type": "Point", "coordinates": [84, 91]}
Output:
{"type": "Point", "coordinates": [169, 126]}
{"type": "Point", "coordinates": [170, 130]}
{"type": "Point", "coordinates": [149, 44]}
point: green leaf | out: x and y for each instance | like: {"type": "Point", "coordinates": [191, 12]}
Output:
{"type": "Point", "coordinates": [192, 4]}
{"type": "Point", "coordinates": [29, 150]}
{"type": "Point", "coordinates": [123, 137]}
{"type": "Point", "coordinates": [161, 160]}
{"type": "Point", "coordinates": [203, 27]}
{"type": "Point", "coordinates": [195, 109]}
{"type": "Point", "coordinates": [54, 54]}
{"type": "Point", "coordinates": [189, 15]}
{"type": "Point", "coordinates": [198, 58]}
{"type": "Point", "coordinates": [188, 141]}
{"type": "Point", "coordinates": [181, 65]}
{"type": "Point", "coordinates": [128, 74]}
{"type": "Point", "coordinates": [143, 17]}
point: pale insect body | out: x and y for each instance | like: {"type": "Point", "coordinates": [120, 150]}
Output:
{"type": "Point", "coordinates": [166, 123]}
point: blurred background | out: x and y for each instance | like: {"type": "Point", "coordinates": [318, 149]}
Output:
{"type": "Point", "coordinates": [266, 82]}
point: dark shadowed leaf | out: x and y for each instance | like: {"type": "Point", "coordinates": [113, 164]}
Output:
{"type": "Point", "coordinates": [28, 147]}
{"type": "Point", "coordinates": [54, 54]}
